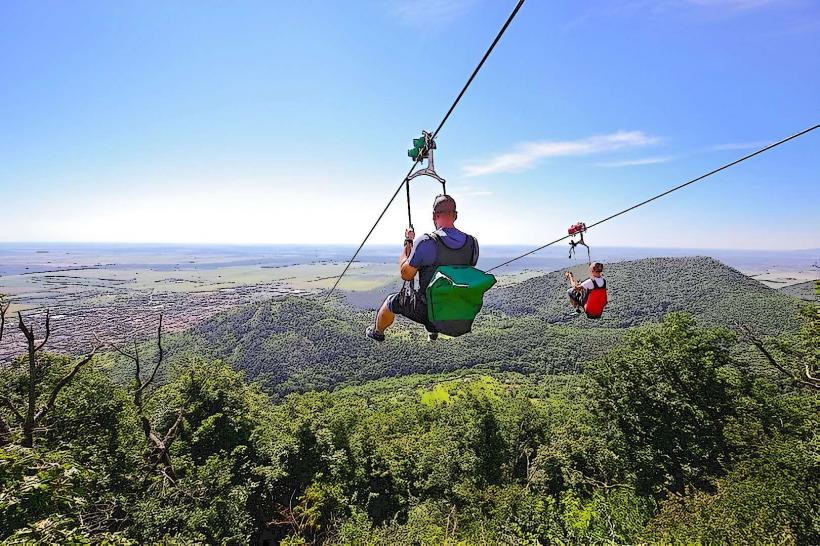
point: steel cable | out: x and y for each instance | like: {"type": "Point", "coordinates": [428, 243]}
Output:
{"type": "Point", "coordinates": [435, 133]}
{"type": "Point", "coordinates": [667, 192]}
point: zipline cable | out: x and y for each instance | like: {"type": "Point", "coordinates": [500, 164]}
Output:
{"type": "Point", "coordinates": [435, 133]}
{"type": "Point", "coordinates": [478, 67]}
{"type": "Point", "coordinates": [667, 192]}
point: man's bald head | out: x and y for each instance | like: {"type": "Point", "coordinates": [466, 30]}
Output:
{"type": "Point", "coordinates": [444, 211]}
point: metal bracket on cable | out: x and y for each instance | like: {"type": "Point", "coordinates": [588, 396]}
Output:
{"type": "Point", "coordinates": [424, 147]}
{"type": "Point", "coordinates": [578, 229]}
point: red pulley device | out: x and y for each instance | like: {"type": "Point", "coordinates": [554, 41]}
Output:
{"type": "Point", "coordinates": [575, 229]}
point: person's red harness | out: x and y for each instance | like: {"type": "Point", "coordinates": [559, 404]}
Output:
{"type": "Point", "coordinates": [596, 300]}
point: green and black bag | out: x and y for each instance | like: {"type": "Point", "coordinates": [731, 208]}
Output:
{"type": "Point", "coordinates": [454, 289]}
{"type": "Point", "coordinates": [455, 296]}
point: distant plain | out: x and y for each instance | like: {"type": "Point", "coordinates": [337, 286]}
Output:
{"type": "Point", "coordinates": [112, 290]}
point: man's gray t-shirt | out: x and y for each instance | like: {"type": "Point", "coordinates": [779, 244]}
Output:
{"type": "Point", "coordinates": [424, 248]}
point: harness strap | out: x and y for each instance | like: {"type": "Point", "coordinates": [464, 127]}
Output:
{"type": "Point", "coordinates": [408, 294]}
{"type": "Point", "coordinates": [470, 241]}
{"type": "Point", "coordinates": [409, 216]}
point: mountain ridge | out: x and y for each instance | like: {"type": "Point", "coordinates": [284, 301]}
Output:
{"type": "Point", "coordinates": [297, 344]}
{"type": "Point", "coordinates": [647, 289]}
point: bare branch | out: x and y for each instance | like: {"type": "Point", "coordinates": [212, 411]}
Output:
{"type": "Point", "coordinates": [4, 307]}
{"type": "Point", "coordinates": [172, 432]}
{"type": "Point", "coordinates": [48, 331]}
{"type": "Point", "coordinates": [137, 360]}
{"type": "Point", "coordinates": [8, 403]}
{"type": "Point", "coordinates": [808, 381]}
{"type": "Point", "coordinates": [603, 485]}
{"type": "Point", "coordinates": [29, 332]}
{"type": "Point", "coordinates": [168, 474]}
{"type": "Point", "coordinates": [160, 447]}
{"type": "Point", "coordinates": [120, 350]}
{"type": "Point", "coordinates": [160, 356]}
{"type": "Point", "coordinates": [62, 383]}
{"type": "Point", "coordinates": [152, 438]}
{"type": "Point", "coordinates": [23, 328]}
{"type": "Point", "coordinates": [28, 421]}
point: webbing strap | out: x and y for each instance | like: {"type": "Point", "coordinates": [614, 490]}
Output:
{"type": "Point", "coordinates": [409, 215]}
{"type": "Point", "coordinates": [407, 190]}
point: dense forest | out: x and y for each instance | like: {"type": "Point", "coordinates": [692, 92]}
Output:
{"type": "Point", "coordinates": [696, 427]}
{"type": "Point", "coordinates": [297, 344]}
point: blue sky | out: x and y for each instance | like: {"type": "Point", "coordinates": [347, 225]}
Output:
{"type": "Point", "coordinates": [275, 122]}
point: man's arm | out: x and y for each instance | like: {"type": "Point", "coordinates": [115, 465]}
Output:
{"type": "Point", "coordinates": [572, 282]}
{"type": "Point", "coordinates": [407, 271]}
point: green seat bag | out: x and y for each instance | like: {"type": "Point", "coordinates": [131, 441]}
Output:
{"type": "Point", "coordinates": [454, 296]}
{"type": "Point", "coordinates": [453, 289]}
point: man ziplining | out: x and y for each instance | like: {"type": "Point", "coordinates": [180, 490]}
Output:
{"type": "Point", "coordinates": [446, 246]}
{"type": "Point", "coordinates": [588, 296]}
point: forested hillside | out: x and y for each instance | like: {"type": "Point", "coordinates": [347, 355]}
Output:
{"type": "Point", "coordinates": [665, 439]}
{"type": "Point", "coordinates": [646, 290]}
{"type": "Point", "coordinates": [690, 427]}
{"type": "Point", "coordinates": [298, 344]}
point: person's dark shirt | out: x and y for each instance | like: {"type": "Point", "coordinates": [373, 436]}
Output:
{"type": "Point", "coordinates": [424, 247]}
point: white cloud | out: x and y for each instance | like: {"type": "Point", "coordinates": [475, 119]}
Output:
{"type": "Point", "coordinates": [738, 146]}
{"type": "Point", "coordinates": [431, 12]}
{"type": "Point", "coordinates": [470, 190]}
{"type": "Point", "coordinates": [732, 4]}
{"type": "Point", "coordinates": [634, 162]}
{"type": "Point", "coordinates": [527, 155]}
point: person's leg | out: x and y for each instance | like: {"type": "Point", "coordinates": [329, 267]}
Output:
{"type": "Point", "coordinates": [578, 299]}
{"type": "Point", "coordinates": [414, 309]}
{"type": "Point", "coordinates": [432, 334]}
{"type": "Point", "coordinates": [385, 316]}
{"type": "Point", "coordinates": [574, 298]}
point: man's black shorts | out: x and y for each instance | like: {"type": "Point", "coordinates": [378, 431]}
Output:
{"type": "Point", "coordinates": [579, 297]}
{"type": "Point", "coordinates": [413, 308]}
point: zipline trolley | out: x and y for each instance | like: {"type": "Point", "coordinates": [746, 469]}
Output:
{"type": "Point", "coordinates": [577, 229]}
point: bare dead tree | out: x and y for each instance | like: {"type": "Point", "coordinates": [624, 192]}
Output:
{"type": "Point", "coordinates": [30, 416]}
{"type": "Point", "coordinates": [159, 455]}
{"type": "Point", "coordinates": [5, 428]}
{"type": "Point", "coordinates": [805, 377]}
{"type": "Point", "coordinates": [296, 518]}
{"type": "Point", "coordinates": [4, 307]}
{"type": "Point", "coordinates": [5, 431]}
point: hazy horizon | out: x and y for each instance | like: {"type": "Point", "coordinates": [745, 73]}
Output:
{"type": "Point", "coordinates": [387, 245]}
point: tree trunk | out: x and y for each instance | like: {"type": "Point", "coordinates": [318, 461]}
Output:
{"type": "Point", "coordinates": [28, 437]}
{"type": "Point", "coordinates": [5, 433]}
{"type": "Point", "coordinates": [28, 423]}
